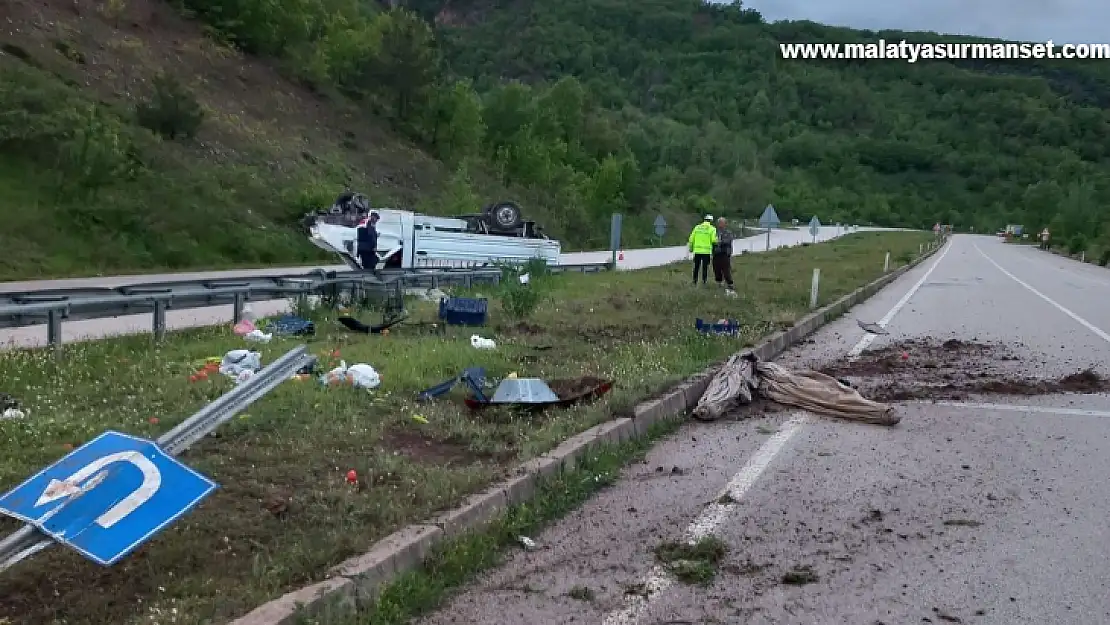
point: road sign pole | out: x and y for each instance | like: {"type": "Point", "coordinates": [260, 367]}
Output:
{"type": "Point", "coordinates": [29, 540]}
{"type": "Point", "coordinates": [768, 239]}
{"type": "Point", "coordinates": [615, 236]}
{"type": "Point", "coordinates": [813, 288]}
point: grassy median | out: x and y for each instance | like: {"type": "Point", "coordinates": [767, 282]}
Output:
{"type": "Point", "coordinates": [285, 511]}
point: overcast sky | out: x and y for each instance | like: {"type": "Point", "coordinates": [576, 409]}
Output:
{"type": "Point", "coordinates": [1062, 21]}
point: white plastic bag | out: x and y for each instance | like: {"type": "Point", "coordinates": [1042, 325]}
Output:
{"type": "Point", "coordinates": [237, 361]}
{"type": "Point", "coordinates": [258, 336]}
{"type": "Point", "coordinates": [363, 375]}
{"type": "Point", "coordinates": [480, 343]}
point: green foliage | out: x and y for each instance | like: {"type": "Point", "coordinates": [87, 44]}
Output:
{"type": "Point", "coordinates": [518, 299]}
{"type": "Point", "coordinates": [171, 111]}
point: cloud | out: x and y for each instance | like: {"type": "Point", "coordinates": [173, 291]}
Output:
{"type": "Point", "coordinates": [1062, 21]}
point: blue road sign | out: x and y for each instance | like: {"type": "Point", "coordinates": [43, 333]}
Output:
{"type": "Point", "coordinates": [108, 496]}
{"type": "Point", "coordinates": [769, 218]}
{"type": "Point", "coordinates": [660, 226]}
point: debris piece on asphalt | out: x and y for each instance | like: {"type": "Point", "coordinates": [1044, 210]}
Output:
{"type": "Point", "coordinates": [872, 328]}
{"type": "Point", "coordinates": [528, 543]}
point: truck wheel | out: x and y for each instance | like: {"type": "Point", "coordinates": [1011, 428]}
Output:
{"type": "Point", "coordinates": [504, 215]}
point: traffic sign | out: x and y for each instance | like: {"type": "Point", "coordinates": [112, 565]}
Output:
{"type": "Point", "coordinates": [660, 226]}
{"type": "Point", "coordinates": [108, 496]}
{"type": "Point", "coordinates": [769, 219]}
{"type": "Point", "coordinates": [814, 227]}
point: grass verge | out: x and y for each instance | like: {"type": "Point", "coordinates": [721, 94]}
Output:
{"type": "Point", "coordinates": [284, 513]}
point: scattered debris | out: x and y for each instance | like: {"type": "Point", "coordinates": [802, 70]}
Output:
{"type": "Point", "coordinates": [473, 377]}
{"type": "Point", "coordinates": [721, 326]}
{"type": "Point", "coordinates": [800, 576]}
{"type": "Point", "coordinates": [354, 325]}
{"type": "Point", "coordinates": [692, 563]}
{"type": "Point", "coordinates": [744, 375]}
{"type": "Point", "coordinates": [872, 328]}
{"type": "Point", "coordinates": [482, 343]}
{"type": "Point", "coordinates": [947, 618]}
{"type": "Point", "coordinates": [10, 407]}
{"type": "Point", "coordinates": [240, 364]}
{"type": "Point", "coordinates": [963, 523]}
{"type": "Point", "coordinates": [953, 370]}
{"type": "Point", "coordinates": [359, 375]}
{"type": "Point", "coordinates": [528, 543]}
{"type": "Point", "coordinates": [581, 593]}
{"type": "Point", "coordinates": [291, 325]}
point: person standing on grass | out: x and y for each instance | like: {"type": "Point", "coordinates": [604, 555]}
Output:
{"type": "Point", "coordinates": [367, 232]}
{"type": "Point", "coordinates": [722, 255]}
{"type": "Point", "coordinates": [702, 239]}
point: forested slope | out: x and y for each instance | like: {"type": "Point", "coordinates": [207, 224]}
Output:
{"type": "Point", "coordinates": [143, 134]}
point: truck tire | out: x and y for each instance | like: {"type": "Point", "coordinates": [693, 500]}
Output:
{"type": "Point", "coordinates": [503, 216]}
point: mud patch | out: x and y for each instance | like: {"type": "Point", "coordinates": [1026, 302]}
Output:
{"type": "Point", "coordinates": [953, 370]}
{"type": "Point", "coordinates": [574, 388]}
{"type": "Point", "coordinates": [425, 450]}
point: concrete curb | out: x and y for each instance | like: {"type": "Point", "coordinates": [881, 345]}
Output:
{"type": "Point", "coordinates": [358, 580]}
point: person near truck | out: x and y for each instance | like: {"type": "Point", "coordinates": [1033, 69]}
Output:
{"type": "Point", "coordinates": [367, 242]}
{"type": "Point", "coordinates": [702, 239]}
{"type": "Point", "coordinates": [722, 255]}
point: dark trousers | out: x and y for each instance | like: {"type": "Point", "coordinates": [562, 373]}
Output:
{"type": "Point", "coordinates": [368, 259]}
{"type": "Point", "coordinates": [722, 269]}
{"type": "Point", "coordinates": [701, 261]}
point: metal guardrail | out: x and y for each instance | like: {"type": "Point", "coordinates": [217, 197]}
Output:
{"type": "Point", "coordinates": [28, 540]}
{"type": "Point", "coordinates": [52, 307]}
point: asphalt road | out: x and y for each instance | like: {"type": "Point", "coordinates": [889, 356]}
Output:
{"type": "Point", "coordinates": [985, 509]}
{"type": "Point", "coordinates": [32, 336]}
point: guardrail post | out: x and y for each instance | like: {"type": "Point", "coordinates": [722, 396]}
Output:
{"type": "Point", "coordinates": [237, 309]}
{"type": "Point", "coordinates": [886, 263]}
{"type": "Point", "coordinates": [920, 249]}
{"type": "Point", "coordinates": [159, 327]}
{"type": "Point", "coordinates": [54, 327]}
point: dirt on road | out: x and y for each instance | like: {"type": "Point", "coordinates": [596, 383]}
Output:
{"type": "Point", "coordinates": [919, 369]}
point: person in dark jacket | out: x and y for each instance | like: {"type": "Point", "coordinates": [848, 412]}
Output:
{"type": "Point", "coordinates": [722, 255]}
{"type": "Point", "coordinates": [368, 242]}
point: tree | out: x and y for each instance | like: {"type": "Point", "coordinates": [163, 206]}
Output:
{"type": "Point", "coordinates": [405, 64]}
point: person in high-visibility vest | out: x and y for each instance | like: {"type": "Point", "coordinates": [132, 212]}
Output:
{"type": "Point", "coordinates": [702, 239]}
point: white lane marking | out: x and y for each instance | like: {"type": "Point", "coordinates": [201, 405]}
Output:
{"type": "Point", "coordinates": [1080, 320]}
{"type": "Point", "coordinates": [868, 338]}
{"type": "Point", "coordinates": [716, 513]}
{"type": "Point", "coordinates": [658, 580]}
{"type": "Point", "coordinates": [1075, 412]}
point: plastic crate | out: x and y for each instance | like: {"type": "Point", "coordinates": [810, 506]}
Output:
{"type": "Point", "coordinates": [463, 311]}
{"type": "Point", "coordinates": [731, 326]}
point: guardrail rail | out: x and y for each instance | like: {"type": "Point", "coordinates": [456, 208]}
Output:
{"type": "Point", "coordinates": [52, 307]}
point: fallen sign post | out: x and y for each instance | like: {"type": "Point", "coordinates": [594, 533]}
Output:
{"type": "Point", "coordinates": [112, 494]}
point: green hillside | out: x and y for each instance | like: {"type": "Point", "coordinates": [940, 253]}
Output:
{"type": "Point", "coordinates": [140, 135]}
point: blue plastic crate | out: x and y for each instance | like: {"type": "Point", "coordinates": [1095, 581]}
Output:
{"type": "Point", "coordinates": [732, 326]}
{"type": "Point", "coordinates": [463, 311]}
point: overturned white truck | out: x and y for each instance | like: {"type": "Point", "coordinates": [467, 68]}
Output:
{"type": "Point", "coordinates": [408, 240]}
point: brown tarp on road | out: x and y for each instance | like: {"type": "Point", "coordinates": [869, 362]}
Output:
{"type": "Point", "coordinates": [743, 376]}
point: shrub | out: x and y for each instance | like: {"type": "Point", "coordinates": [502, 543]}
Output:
{"type": "Point", "coordinates": [171, 111]}
{"type": "Point", "coordinates": [520, 300]}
